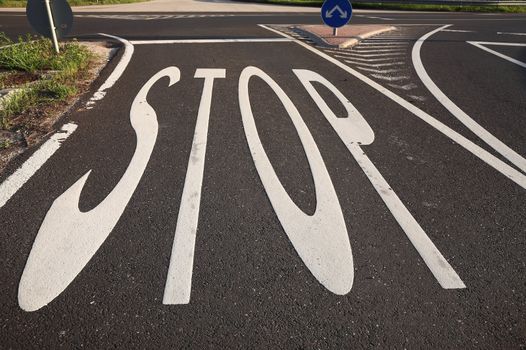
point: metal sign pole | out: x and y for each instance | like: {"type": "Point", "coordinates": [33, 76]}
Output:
{"type": "Point", "coordinates": [335, 31]}
{"type": "Point", "coordinates": [52, 26]}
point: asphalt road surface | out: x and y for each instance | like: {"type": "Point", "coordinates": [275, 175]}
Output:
{"type": "Point", "coordinates": [271, 193]}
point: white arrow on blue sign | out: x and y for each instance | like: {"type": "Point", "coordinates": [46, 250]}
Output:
{"type": "Point", "coordinates": [336, 13]}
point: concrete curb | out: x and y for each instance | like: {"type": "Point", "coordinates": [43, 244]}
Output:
{"type": "Point", "coordinates": [350, 42]}
{"type": "Point", "coordinates": [354, 41]}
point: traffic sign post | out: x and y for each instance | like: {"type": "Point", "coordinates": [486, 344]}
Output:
{"type": "Point", "coordinates": [50, 18]}
{"type": "Point", "coordinates": [336, 13]}
{"type": "Point", "coordinates": [52, 26]}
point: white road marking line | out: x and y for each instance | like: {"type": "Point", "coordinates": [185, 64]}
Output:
{"type": "Point", "coordinates": [357, 58]}
{"type": "Point", "coordinates": [468, 145]}
{"type": "Point", "coordinates": [374, 17]}
{"type": "Point", "coordinates": [457, 31]}
{"type": "Point", "coordinates": [496, 43]}
{"type": "Point", "coordinates": [497, 164]}
{"type": "Point", "coordinates": [465, 119]}
{"type": "Point", "coordinates": [69, 238]}
{"type": "Point", "coordinates": [15, 182]}
{"type": "Point", "coordinates": [142, 17]}
{"type": "Point", "coordinates": [417, 98]}
{"type": "Point", "coordinates": [375, 51]}
{"type": "Point", "coordinates": [320, 239]}
{"type": "Point", "coordinates": [405, 87]}
{"type": "Point", "coordinates": [379, 71]}
{"type": "Point", "coordinates": [390, 78]}
{"type": "Point", "coordinates": [179, 279]}
{"type": "Point", "coordinates": [391, 37]}
{"type": "Point", "coordinates": [391, 54]}
{"type": "Point", "coordinates": [210, 41]}
{"type": "Point", "coordinates": [387, 40]}
{"type": "Point", "coordinates": [117, 72]}
{"type": "Point", "coordinates": [353, 136]}
{"type": "Point", "coordinates": [383, 43]}
{"type": "Point", "coordinates": [377, 48]}
{"type": "Point", "coordinates": [356, 54]}
{"type": "Point", "coordinates": [377, 65]}
{"type": "Point", "coordinates": [506, 33]}
{"type": "Point", "coordinates": [480, 45]}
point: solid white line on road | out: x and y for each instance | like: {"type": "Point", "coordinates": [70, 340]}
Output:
{"type": "Point", "coordinates": [69, 238]}
{"type": "Point", "coordinates": [465, 119]}
{"type": "Point", "coordinates": [117, 72]}
{"type": "Point", "coordinates": [358, 58]}
{"type": "Point", "coordinates": [378, 48]}
{"type": "Point", "coordinates": [376, 65]}
{"type": "Point", "coordinates": [379, 71]}
{"type": "Point", "coordinates": [390, 78]}
{"type": "Point", "coordinates": [375, 50]}
{"type": "Point", "coordinates": [14, 182]}
{"type": "Point", "coordinates": [210, 41]}
{"type": "Point", "coordinates": [497, 43]}
{"type": "Point", "coordinates": [480, 45]}
{"type": "Point", "coordinates": [457, 31]}
{"type": "Point", "coordinates": [435, 261]}
{"type": "Point", "coordinates": [500, 166]}
{"type": "Point", "coordinates": [468, 145]}
{"type": "Point", "coordinates": [357, 54]}
{"type": "Point", "coordinates": [374, 17]}
{"type": "Point", "coordinates": [376, 41]}
{"type": "Point", "coordinates": [179, 280]}
{"type": "Point", "coordinates": [405, 87]}
{"type": "Point", "coordinates": [354, 131]}
{"type": "Point", "coordinates": [383, 43]}
{"type": "Point", "coordinates": [145, 17]}
{"type": "Point", "coordinates": [506, 33]}
{"type": "Point", "coordinates": [398, 40]}
{"type": "Point", "coordinates": [418, 98]}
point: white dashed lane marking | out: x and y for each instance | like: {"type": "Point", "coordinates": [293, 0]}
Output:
{"type": "Point", "coordinates": [139, 17]}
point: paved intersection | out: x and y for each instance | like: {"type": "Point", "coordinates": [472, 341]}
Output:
{"type": "Point", "coordinates": [230, 203]}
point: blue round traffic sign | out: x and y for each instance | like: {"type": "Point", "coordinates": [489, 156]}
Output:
{"type": "Point", "coordinates": [336, 13]}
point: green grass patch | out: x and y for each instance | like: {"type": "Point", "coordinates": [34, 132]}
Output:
{"type": "Point", "coordinates": [31, 54]}
{"type": "Point", "coordinates": [42, 77]}
{"type": "Point", "coordinates": [23, 3]}
{"type": "Point", "coordinates": [404, 6]}
{"type": "Point", "coordinates": [5, 144]}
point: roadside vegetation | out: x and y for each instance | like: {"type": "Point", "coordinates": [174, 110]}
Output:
{"type": "Point", "coordinates": [22, 3]}
{"type": "Point", "coordinates": [37, 86]}
{"type": "Point", "coordinates": [404, 6]}
{"type": "Point", "coordinates": [34, 78]}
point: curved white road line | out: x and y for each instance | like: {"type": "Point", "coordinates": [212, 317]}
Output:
{"type": "Point", "coordinates": [117, 72]}
{"type": "Point", "coordinates": [497, 164]}
{"type": "Point", "coordinates": [465, 119]}
{"type": "Point", "coordinates": [17, 180]}
{"type": "Point", "coordinates": [69, 238]}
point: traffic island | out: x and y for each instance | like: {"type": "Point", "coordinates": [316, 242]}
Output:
{"type": "Point", "coordinates": [348, 35]}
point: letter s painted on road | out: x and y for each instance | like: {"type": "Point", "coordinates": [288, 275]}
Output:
{"type": "Point", "coordinates": [68, 238]}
